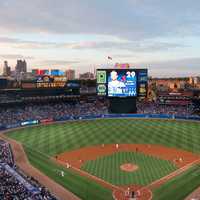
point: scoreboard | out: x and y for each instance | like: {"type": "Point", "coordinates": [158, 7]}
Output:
{"type": "Point", "coordinates": [51, 81]}
{"type": "Point", "coordinates": [45, 81]}
{"type": "Point", "coordinates": [122, 82]}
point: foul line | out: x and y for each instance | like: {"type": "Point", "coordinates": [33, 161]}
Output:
{"type": "Point", "coordinates": [173, 174]}
{"type": "Point", "coordinates": [168, 177]}
{"type": "Point", "coordinates": [101, 181]}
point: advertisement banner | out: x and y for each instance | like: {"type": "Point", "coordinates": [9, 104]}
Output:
{"type": "Point", "coordinates": [46, 121]}
{"type": "Point", "coordinates": [13, 125]}
{"type": "Point", "coordinates": [30, 122]}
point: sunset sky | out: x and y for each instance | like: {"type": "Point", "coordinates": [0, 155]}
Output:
{"type": "Point", "coordinates": [80, 34]}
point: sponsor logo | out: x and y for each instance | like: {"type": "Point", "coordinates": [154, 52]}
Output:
{"type": "Point", "coordinates": [101, 76]}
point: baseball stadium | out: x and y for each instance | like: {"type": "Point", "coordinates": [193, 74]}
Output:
{"type": "Point", "coordinates": [158, 158]}
{"type": "Point", "coordinates": [114, 144]}
{"type": "Point", "coordinates": [99, 100]}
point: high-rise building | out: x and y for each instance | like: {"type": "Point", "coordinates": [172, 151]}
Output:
{"type": "Point", "coordinates": [6, 69]}
{"type": "Point", "coordinates": [70, 74]}
{"type": "Point", "coordinates": [20, 69]}
{"type": "Point", "coordinates": [21, 66]}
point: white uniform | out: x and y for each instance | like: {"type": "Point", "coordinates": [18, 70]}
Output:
{"type": "Point", "coordinates": [115, 87]}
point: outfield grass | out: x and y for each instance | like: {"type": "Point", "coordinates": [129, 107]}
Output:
{"type": "Point", "coordinates": [179, 187]}
{"type": "Point", "coordinates": [108, 168]}
{"type": "Point", "coordinates": [81, 186]}
{"type": "Point", "coordinates": [57, 138]}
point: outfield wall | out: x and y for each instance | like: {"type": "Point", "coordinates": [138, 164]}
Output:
{"type": "Point", "coordinates": [106, 116]}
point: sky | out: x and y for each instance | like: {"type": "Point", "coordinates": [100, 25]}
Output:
{"type": "Point", "coordinates": [162, 36]}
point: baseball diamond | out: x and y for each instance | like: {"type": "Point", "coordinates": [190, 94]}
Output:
{"type": "Point", "coordinates": [161, 152]}
{"type": "Point", "coordinates": [99, 100]}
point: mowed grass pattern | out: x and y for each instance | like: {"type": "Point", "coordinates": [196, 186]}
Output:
{"type": "Point", "coordinates": [44, 141]}
{"type": "Point", "coordinates": [108, 168]}
{"type": "Point", "coordinates": [86, 189]}
{"type": "Point", "coordinates": [57, 138]}
{"type": "Point", "coordinates": [180, 186]}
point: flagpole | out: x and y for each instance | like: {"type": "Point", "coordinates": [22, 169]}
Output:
{"type": "Point", "coordinates": [109, 58]}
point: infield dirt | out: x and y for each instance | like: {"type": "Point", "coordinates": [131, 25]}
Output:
{"type": "Point", "coordinates": [78, 157]}
{"type": "Point", "coordinates": [182, 159]}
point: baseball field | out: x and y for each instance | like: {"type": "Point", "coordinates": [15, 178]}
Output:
{"type": "Point", "coordinates": [102, 158]}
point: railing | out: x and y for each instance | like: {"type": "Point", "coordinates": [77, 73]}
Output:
{"type": "Point", "coordinates": [103, 116]}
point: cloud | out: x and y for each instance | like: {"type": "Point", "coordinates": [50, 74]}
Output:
{"type": "Point", "coordinates": [57, 62]}
{"type": "Point", "coordinates": [127, 55]}
{"type": "Point", "coordinates": [132, 19]}
{"type": "Point", "coordinates": [9, 40]}
{"type": "Point", "coordinates": [15, 56]}
{"type": "Point", "coordinates": [149, 29]}
{"type": "Point", "coordinates": [173, 68]}
{"type": "Point", "coordinates": [131, 46]}
{"type": "Point", "coordinates": [25, 44]}
{"type": "Point", "coordinates": [137, 46]}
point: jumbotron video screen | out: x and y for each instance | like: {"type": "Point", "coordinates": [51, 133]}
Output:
{"type": "Point", "coordinates": [122, 82]}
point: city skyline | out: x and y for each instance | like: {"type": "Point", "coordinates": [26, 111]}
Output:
{"type": "Point", "coordinates": [77, 34]}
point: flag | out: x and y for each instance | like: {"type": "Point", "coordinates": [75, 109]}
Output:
{"type": "Point", "coordinates": [109, 58]}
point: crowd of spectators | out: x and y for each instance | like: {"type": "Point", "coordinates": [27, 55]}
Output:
{"type": "Point", "coordinates": [72, 109]}
{"type": "Point", "coordinates": [11, 188]}
{"type": "Point", "coordinates": [156, 108]}
{"type": "Point", "coordinates": [6, 154]}
{"type": "Point", "coordinates": [53, 111]}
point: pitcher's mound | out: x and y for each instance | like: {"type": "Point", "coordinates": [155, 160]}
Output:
{"type": "Point", "coordinates": [128, 167]}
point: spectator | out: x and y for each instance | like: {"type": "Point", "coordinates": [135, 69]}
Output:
{"type": "Point", "coordinates": [10, 187]}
